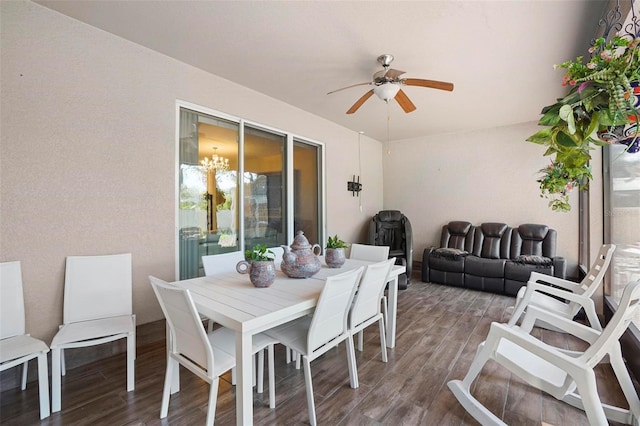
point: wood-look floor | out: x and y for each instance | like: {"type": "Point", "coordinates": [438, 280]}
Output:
{"type": "Point", "coordinates": [439, 329]}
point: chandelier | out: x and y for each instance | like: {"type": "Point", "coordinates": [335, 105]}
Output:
{"type": "Point", "coordinates": [216, 162]}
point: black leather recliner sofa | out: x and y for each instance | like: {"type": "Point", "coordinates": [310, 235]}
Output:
{"type": "Point", "coordinates": [492, 256]}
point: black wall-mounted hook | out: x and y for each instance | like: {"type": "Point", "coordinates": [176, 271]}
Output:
{"type": "Point", "coordinates": [354, 186]}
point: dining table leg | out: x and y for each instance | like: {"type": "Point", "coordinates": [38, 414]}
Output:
{"type": "Point", "coordinates": [392, 310]}
{"type": "Point", "coordinates": [244, 379]}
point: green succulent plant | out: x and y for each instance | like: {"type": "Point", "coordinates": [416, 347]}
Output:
{"type": "Point", "coordinates": [258, 253]}
{"type": "Point", "coordinates": [335, 242]}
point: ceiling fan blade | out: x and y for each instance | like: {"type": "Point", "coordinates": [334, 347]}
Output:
{"type": "Point", "coordinates": [386, 74]}
{"type": "Point", "coordinates": [428, 83]}
{"type": "Point", "coordinates": [349, 87]}
{"type": "Point", "coordinates": [360, 101]}
{"type": "Point", "coordinates": [404, 102]}
{"type": "Point", "coordinates": [393, 74]}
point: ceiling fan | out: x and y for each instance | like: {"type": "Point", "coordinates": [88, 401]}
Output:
{"type": "Point", "coordinates": [387, 84]}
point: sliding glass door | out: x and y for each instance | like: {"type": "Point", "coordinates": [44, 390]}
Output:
{"type": "Point", "coordinates": [622, 217]}
{"type": "Point", "coordinates": [279, 192]}
{"type": "Point", "coordinates": [265, 201]}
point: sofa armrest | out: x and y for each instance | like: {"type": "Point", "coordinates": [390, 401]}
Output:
{"type": "Point", "coordinates": [425, 264]}
{"type": "Point", "coordinates": [560, 267]}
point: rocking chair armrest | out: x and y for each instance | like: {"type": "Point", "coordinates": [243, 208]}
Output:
{"type": "Point", "coordinates": [576, 329]}
{"type": "Point", "coordinates": [568, 295]}
{"type": "Point", "coordinates": [539, 278]}
{"type": "Point", "coordinates": [532, 287]}
{"type": "Point", "coordinates": [530, 343]}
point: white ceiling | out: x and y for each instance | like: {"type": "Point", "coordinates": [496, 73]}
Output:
{"type": "Point", "coordinates": [499, 54]}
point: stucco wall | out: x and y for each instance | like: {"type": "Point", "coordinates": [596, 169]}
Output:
{"type": "Point", "coordinates": [481, 176]}
{"type": "Point", "coordinates": [88, 151]}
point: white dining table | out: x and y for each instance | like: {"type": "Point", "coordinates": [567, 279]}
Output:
{"type": "Point", "coordinates": [231, 300]}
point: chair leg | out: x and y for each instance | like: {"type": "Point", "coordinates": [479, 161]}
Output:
{"type": "Point", "coordinates": [213, 398]}
{"type": "Point", "coordinates": [210, 325]}
{"type": "Point", "coordinates": [260, 380]}
{"type": "Point", "coordinates": [166, 391]}
{"type": "Point", "coordinates": [351, 361]}
{"type": "Point", "coordinates": [63, 364]}
{"type": "Point", "coordinates": [482, 356]}
{"type": "Point", "coordinates": [55, 379]}
{"type": "Point", "coordinates": [297, 356]}
{"type": "Point", "coordinates": [272, 377]}
{"type": "Point", "coordinates": [586, 384]}
{"type": "Point", "coordinates": [287, 352]}
{"type": "Point", "coordinates": [624, 380]}
{"type": "Point", "coordinates": [25, 370]}
{"type": "Point", "coordinates": [360, 340]}
{"type": "Point", "coordinates": [309, 386]}
{"type": "Point", "coordinates": [131, 362]}
{"type": "Point", "coordinates": [384, 309]}
{"type": "Point", "coordinates": [383, 340]}
{"type": "Point", "coordinates": [43, 384]}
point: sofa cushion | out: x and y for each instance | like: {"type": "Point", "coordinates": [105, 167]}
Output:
{"type": "Point", "coordinates": [534, 239]}
{"type": "Point", "coordinates": [482, 267]}
{"type": "Point", "coordinates": [492, 241]}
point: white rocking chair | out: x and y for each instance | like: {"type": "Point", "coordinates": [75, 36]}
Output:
{"type": "Point", "coordinates": [555, 371]}
{"type": "Point", "coordinates": [541, 288]}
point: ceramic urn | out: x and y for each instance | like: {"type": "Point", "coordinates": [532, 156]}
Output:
{"type": "Point", "coordinates": [301, 259]}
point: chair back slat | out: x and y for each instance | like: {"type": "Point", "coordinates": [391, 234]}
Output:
{"type": "Point", "coordinates": [595, 274]}
{"type": "Point", "coordinates": [12, 322]}
{"type": "Point", "coordinates": [627, 308]}
{"type": "Point", "coordinates": [97, 287]}
{"type": "Point", "coordinates": [187, 337]}
{"type": "Point", "coordinates": [369, 252]}
{"type": "Point", "coordinates": [366, 303]}
{"type": "Point", "coordinates": [330, 317]}
{"type": "Point", "coordinates": [225, 262]}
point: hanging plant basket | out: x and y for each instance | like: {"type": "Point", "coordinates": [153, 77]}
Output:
{"type": "Point", "coordinates": [602, 107]}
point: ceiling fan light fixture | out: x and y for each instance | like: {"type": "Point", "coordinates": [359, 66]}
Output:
{"type": "Point", "coordinates": [386, 91]}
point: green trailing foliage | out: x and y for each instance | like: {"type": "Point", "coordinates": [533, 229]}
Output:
{"type": "Point", "coordinates": [601, 97]}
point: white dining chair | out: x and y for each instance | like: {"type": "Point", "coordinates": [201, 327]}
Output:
{"type": "Point", "coordinates": [312, 336]}
{"type": "Point", "coordinates": [541, 289]}
{"type": "Point", "coordinates": [97, 310]}
{"type": "Point", "coordinates": [16, 346]}
{"type": "Point", "coordinates": [371, 253]}
{"type": "Point", "coordinates": [223, 262]}
{"type": "Point", "coordinates": [218, 263]}
{"type": "Point", "coordinates": [365, 309]}
{"type": "Point", "coordinates": [568, 376]}
{"type": "Point", "coordinates": [207, 355]}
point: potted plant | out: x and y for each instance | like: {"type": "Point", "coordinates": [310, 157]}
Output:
{"type": "Point", "coordinates": [602, 107]}
{"type": "Point", "coordinates": [259, 265]}
{"type": "Point", "coordinates": [334, 255]}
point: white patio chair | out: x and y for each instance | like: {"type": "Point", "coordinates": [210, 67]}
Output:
{"type": "Point", "coordinates": [365, 310]}
{"type": "Point", "coordinates": [16, 346]}
{"type": "Point", "coordinates": [540, 289]}
{"type": "Point", "coordinates": [312, 336]}
{"type": "Point", "coordinates": [217, 263]}
{"type": "Point", "coordinates": [97, 310]}
{"type": "Point", "coordinates": [208, 356]}
{"type": "Point", "coordinates": [555, 371]}
{"type": "Point", "coordinates": [224, 262]}
{"type": "Point", "coordinates": [371, 253]}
